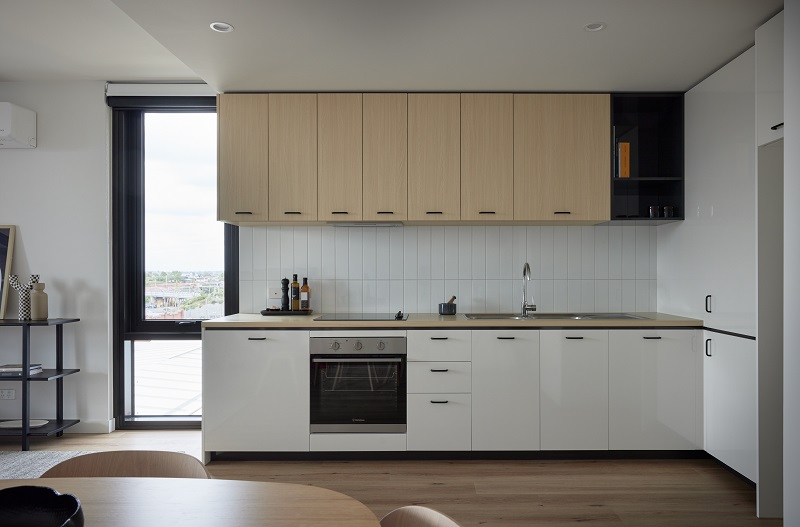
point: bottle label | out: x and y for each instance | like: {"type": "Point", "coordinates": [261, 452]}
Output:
{"type": "Point", "coordinates": [303, 296]}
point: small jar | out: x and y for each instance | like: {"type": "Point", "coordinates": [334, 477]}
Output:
{"type": "Point", "coordinates": [38, 302]}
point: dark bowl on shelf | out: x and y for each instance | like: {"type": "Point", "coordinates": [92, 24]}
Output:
{"type": "Point", "coordinates": [31, 506]}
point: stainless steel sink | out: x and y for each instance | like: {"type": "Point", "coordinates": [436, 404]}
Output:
{"type": "Point", "coordinates": [553, 316]}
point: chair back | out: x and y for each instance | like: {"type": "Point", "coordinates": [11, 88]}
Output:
{"type": "Point", "coordinates": [130, 463]}
{"type": "Point", "coordinates": [416, 516]}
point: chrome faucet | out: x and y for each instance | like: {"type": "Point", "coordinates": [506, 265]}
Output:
{"type": "Point", "coordinates": [526, 277]}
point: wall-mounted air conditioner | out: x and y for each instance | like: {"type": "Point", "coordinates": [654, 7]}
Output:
{"type": "Point", "coordinates": [17, 126]}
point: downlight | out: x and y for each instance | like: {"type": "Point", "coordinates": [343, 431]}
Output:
{"type": "Point", "coordinates": [221, 27]}
{"type": "Point", "coordinates": [595, 26]}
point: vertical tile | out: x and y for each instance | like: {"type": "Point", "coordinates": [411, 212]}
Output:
{"type": "Point", "coordinates": [653, 252]}
{"type": "Point", "coordinates": [587, 253]}
{"type": "Point", "coordinates": [424, 253]}
{"type": "Point", "coordinates": [614, 296]}
{"type": "Point", "coordinates": [451, 253]}
{"type": "Point", "coordinates": [574, 295]}
{"type": "Point", "coordinates": [383, 292]}
{"type": "Point", "coordinates": [314, 253]}
{"type": "Point", "coordinates": [642, 252]}
{"type": "Point", "coordinates": [587, 295]}
{"type": "Point", "coordinates": [259, 253]}
{"type": "Point", "coordinates": [245, 253]}
{"type": "Point", "coordinates": [410, 296]}
{"type": "Point", "coordinates": [287, 252]}
{"type": "Point", "coordinates": [601, 252]}
{"type": "Point", "coordinates": [574, 258]}
{"type": "Point", "coordinates": [464, 300]}
{"type": "Point", "coordinates": [560, 295]}
{"type": "Point", "coordinates": [325, 296]}
{"type": "Point", "coordinates": [342, 294]}
{"type": "Point", "coordinates": [534, 295]}
{"type": "Point", "coordinates": [492, 252]}
{"type": "Point", "coordinates": [629, 295]}
{"type": "Point", "coordinates": [424, 296]}
{"type": "Point", "coordinates": [397, 252]}
{"type": "Point", "coordinates": [493, 300]}
{"type": "Point", "coordinates": [479, 295]}
{"type": "Point", "coordinates": [369, 296]}
{"type": "Point", "coordinates": [342, 254]}
{"type": "Point", "coordinates": [383, 253]}
{"type": "Point", "coordinates": [507, 300]}
{"type": "Point", "coordinates": [465, 253]}
{"type": "Point", "coordinates": [615, 252]}
{"type": "Point", "coordinates": [601, 296]}
{"type": "Point", "coordinates": [274, 255]}
{"type": "Point", "coordinates": [534, 251]}
{"type": "Point", "coordinates": [370, 254]}
{"type": "Point", "coordinates": [560, 252]}
{"type": "Point", "coordinates": [260, 300]}
{"type": "Point", "coordinates": [355, 295]}
{"type": "Point", "coordinates": [356, 258]}
{"type": "Point", "coordinates": [519, 251]}
{"type": "Point", "coordinates": [329, 252]}
{"type": "Point", "coordinates": [642, 295]}
{"type": "Point", "coordinates": [628, 252]}
{"type": "Point", "coordinates": [301, 252]}
{"type": "Point", "coordinates": [450, 289]}
{"type": "Point", "coordinates": [478, 253]}
{"type": "Point", "coordinates": [396, 296]}
{"type": "Point", "coordinates": [653, 295]}
{"type": "Point", "coordinates": [438, 294]}
{"type": "Point", "coordinates": [410, 254]}
{"type": "Point", "coordinates": [507, 264]}
{"type": "Point", "coordinates": [437, 253]}
{"type": "Point", "coordinates": [245, 295]}
{"type": "Point", "coordinates": [544, 301]}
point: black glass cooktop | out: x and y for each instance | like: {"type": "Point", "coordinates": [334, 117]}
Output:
{"type": "Point", "coordinates": [364, 316]}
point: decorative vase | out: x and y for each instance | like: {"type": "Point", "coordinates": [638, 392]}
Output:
{"type": "Point", "coordinates": [24, 291]}
{"type": "Point", "coordinates": [38, 302]}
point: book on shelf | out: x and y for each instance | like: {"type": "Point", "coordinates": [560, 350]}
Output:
{"type": "Point", "coordinates": [623, 159]}
{"type": "Point", "coordinates": [15, 370]}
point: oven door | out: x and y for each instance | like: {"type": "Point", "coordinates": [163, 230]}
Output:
{"type": "Point", "coordinates": [358, 393]}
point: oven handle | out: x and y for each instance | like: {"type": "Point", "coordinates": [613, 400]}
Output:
{"type": "Point", "coordinates": [391, 359]}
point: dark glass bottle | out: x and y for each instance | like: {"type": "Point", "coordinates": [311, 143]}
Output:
{"type": "Point", "coordinates": [305, 296]}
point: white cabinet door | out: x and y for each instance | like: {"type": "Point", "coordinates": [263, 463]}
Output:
{"type": "Point", "coordinates": [440, 421]}
{"type": "Point", "coordinates": [505, 390]}
{"type": "Point", "coordinates": [439, 345]}
{"type": "Point", "coordinates": [769, 81]}
{"type": "Point", "coordinates": [439, 377]}
{"type": "Point", "coordinates": [574, 389]}
{"type": "Point", "coordinates": [729, 371]}
{"type": "Point", "coordinates": [652, 389]}
{"type": "Point", "coordinates": [255, 390]}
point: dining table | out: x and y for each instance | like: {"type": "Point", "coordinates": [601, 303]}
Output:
{"type": "Point", "coordinates": [175, 502]}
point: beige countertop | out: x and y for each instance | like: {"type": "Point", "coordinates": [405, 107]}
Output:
{"type": "Point", "coordinates": [428, 320]}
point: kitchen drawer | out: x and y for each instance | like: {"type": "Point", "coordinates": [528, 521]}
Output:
{"type": "Point", "coordinates": [439, 421]}
{"type": "Point", "coordinates": [439, 377]}
{"type": "Point", "coordinates": [435, 345]}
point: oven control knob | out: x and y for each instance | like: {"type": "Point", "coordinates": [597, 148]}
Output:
{"type": "Point", "coordinates": [381, 345]}
{"type": "Point", "coordinates": [357, 346]}
{"type": "Point", "coordinates": [334, 345]}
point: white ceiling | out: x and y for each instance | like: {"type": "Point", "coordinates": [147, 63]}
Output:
{"type": "Point", "coordinates": [379, 45]}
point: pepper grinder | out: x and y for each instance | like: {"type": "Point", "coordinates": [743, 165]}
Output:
{"type": "Point", "coordinates": [285, 294]}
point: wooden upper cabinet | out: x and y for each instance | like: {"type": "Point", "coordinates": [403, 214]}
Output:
{"type": "Point", "coordinates": [487, 156]}
{"type": "Point", "coordinates": [434, 145]}
{"type": "Point", "coordinates": [242, 178]}
{"type": "Point", "coordinates": [385, 157]}
{"type": "Point", "coordinates": [339, 162]}
{"type": "Point", "coordinates": [293, 157]}
{"type": "Point", "coordinates": [562, 157]}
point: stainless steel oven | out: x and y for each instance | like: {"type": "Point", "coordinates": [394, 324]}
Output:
{"type": "Point", "coordinates": [358, 384]}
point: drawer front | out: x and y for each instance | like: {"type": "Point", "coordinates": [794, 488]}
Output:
{"type": "Point", "coordinates": [439, 377]}
{"type": "Point", "coordinates": [439, 421]}
{"type": "Point", "coordinates": [434, 345]}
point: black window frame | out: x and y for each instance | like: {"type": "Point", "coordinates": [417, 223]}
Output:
{"type": "Point", "coordinates": [127, 215]}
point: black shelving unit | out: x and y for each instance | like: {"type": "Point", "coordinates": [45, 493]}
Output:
{"type": "Point", "coordinates": [653, 125]}
{"type": "Point", "coordinates": [59, 424]}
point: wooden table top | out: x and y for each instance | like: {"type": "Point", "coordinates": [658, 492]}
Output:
{"type": "Point", "coordinates": [124, 502]}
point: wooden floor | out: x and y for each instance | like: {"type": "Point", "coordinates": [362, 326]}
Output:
{"type": "Point", "coordinates": [643, 493]}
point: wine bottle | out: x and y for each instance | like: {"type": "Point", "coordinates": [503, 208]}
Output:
{"type": "Point", "coordinates": [305, 296]}
{"type": "Point", "coordinates": [295, 294]}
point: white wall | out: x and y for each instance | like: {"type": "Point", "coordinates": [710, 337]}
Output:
{"type": "Point", "coordinates": [57, 196]}
{"type": "Point", "coordinates": [791, 224]}
{"type": "Point", "coordinates": [414, 268]}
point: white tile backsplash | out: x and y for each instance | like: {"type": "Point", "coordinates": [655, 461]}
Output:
{"type": "Point", "coordinates": [603, 268]}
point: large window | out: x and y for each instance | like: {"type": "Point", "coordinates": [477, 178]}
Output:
{"type": "Point", "coordinates": [174, 264]}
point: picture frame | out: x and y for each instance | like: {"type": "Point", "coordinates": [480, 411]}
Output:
{"type": "Point", "coordinates": [6, 252]}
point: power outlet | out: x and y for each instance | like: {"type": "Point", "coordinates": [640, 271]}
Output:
{"type": "Point", "coordinates": [274, 293]}
{"type": "Point", "coordinates": [8, 394]}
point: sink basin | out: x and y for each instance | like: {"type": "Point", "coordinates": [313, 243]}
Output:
{"type": "Point", "coordinates": [553, 316]}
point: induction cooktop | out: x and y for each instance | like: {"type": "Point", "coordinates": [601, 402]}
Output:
{"type": "Point", "coordinates": [364, 316]}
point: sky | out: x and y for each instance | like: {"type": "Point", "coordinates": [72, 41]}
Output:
{"type": "Point", "coordinates": [181, 230]}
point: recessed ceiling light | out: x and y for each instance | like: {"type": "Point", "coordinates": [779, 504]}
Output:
{"type": "Point", "coordinates": [221, 27]}
{"type": "Point", "coordinates": [595, 26]}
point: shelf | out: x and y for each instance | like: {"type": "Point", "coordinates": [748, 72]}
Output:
{"type": "Point", "coordinates": [11, 322]}
{"type": "Point", "coordinates": [51, 428]}
{"type": "Point", "coordinates": [45, 375]}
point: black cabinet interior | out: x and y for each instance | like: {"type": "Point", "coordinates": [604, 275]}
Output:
{"type": "Point", "coordinates": [652, 124]}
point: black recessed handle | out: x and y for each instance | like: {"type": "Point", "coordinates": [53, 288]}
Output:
{"type": "Point", "coordinates": [385, 212]}
{"type": "Point", "coordinates": [434, 212]}
{"type": "Point", "coordinates": [708, 303]}
{"type": "Point", "coordinates": [779, 125]}
{"type": "Point", "coordinates": [506, 338]}
{"type": "Point", "coordinates": [708, 347]}
{"type": "Point", "coordinates": [439, 371]}
{"type": "Point", "coordinates": [562, 212]}
{"type": "Point", "coordinates": [487, 212]}
{"type": "Point", "coordinates": [242, 212]}
{"type": "Point", "coordinates": [440, 402]}
{"type": "Point", "coordinates": [340, 212]}
{"type": "Point", "coordinates": [292, 212]}
{"type": "Point", "coordinates": [574, 338]}
{"type": "Point", "coordinates": [651, 338]}
{"type": "Point", "coordinates": [439, 338]}
{"type": "Point", "coordinates": [256, 338]}
{"type": "Point", "coordinates": [187, 322]}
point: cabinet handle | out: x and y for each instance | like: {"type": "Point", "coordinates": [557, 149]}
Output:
{"type": "Point", "coordinates": [562, 212]}
{"type": "Point", "coordinates": [506, 338]}
{"type": "Point", "coordinates": [339, 212]}
{"type": "Point", "coordinates": [292, 212]}
{"type": "Point", "coordinates": [708, 303]}
{"type": "Point", "coordinates": [651, 338]}
{"type": "Point", "coordinates": [434, 212]}
{"type": "Point", "coordinates": [440, 371]}
{"type": "Point", "coordinates": [574, 338]}
{"type": "Point", "coordinates": [440, 402]}
{"type": "Point", "coordinates": [708, 347]}
{"type": "Point", "coordinates": [779, 125]}
{"type": "Point", "coordinates": [242, 212]}
{"type": "Point", "coordinates": [439, 338]}
{"type": "Point", "coordinates": [187, 322]}
{"type": "Point", "coordinates": [487, 212]}
{"type": "Point", "coordinates": [385, 212]}
{"type": "Point", "coordinates": [256, 338]}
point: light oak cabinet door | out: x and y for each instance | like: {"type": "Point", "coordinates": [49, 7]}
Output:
{"type": "Point", "coordinates": [562, 157]}
{"type": "Point", "coordinates": [385, 147]}
{"type": "Point", "coordinates": [243, 160]}
{"type": "Point", "coordinates": [434, 144]}
{"type": "Point", "coordinates": [487, 156]}
{"type": "Point", "coordinates": [293, 157]}
{"type": "Point", "coordinates": [339, 161]}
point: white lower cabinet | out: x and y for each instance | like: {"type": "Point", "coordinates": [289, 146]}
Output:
{"type": "Point", "coordinates": [573, 381]}
{"type": "Point", "coordinates": [653, 390]}
{"type": "Point", "coordinates": [255, 391]}
{"type": "Point", "coordinates": [439, 421]}
{"type": "Point", "coordinates": [505, 390]}
{"type": "Point", "coordinates": [730, 367]}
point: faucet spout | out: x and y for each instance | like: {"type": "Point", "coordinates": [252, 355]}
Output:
{"type": "Point", "coordinates": [526, 277]}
